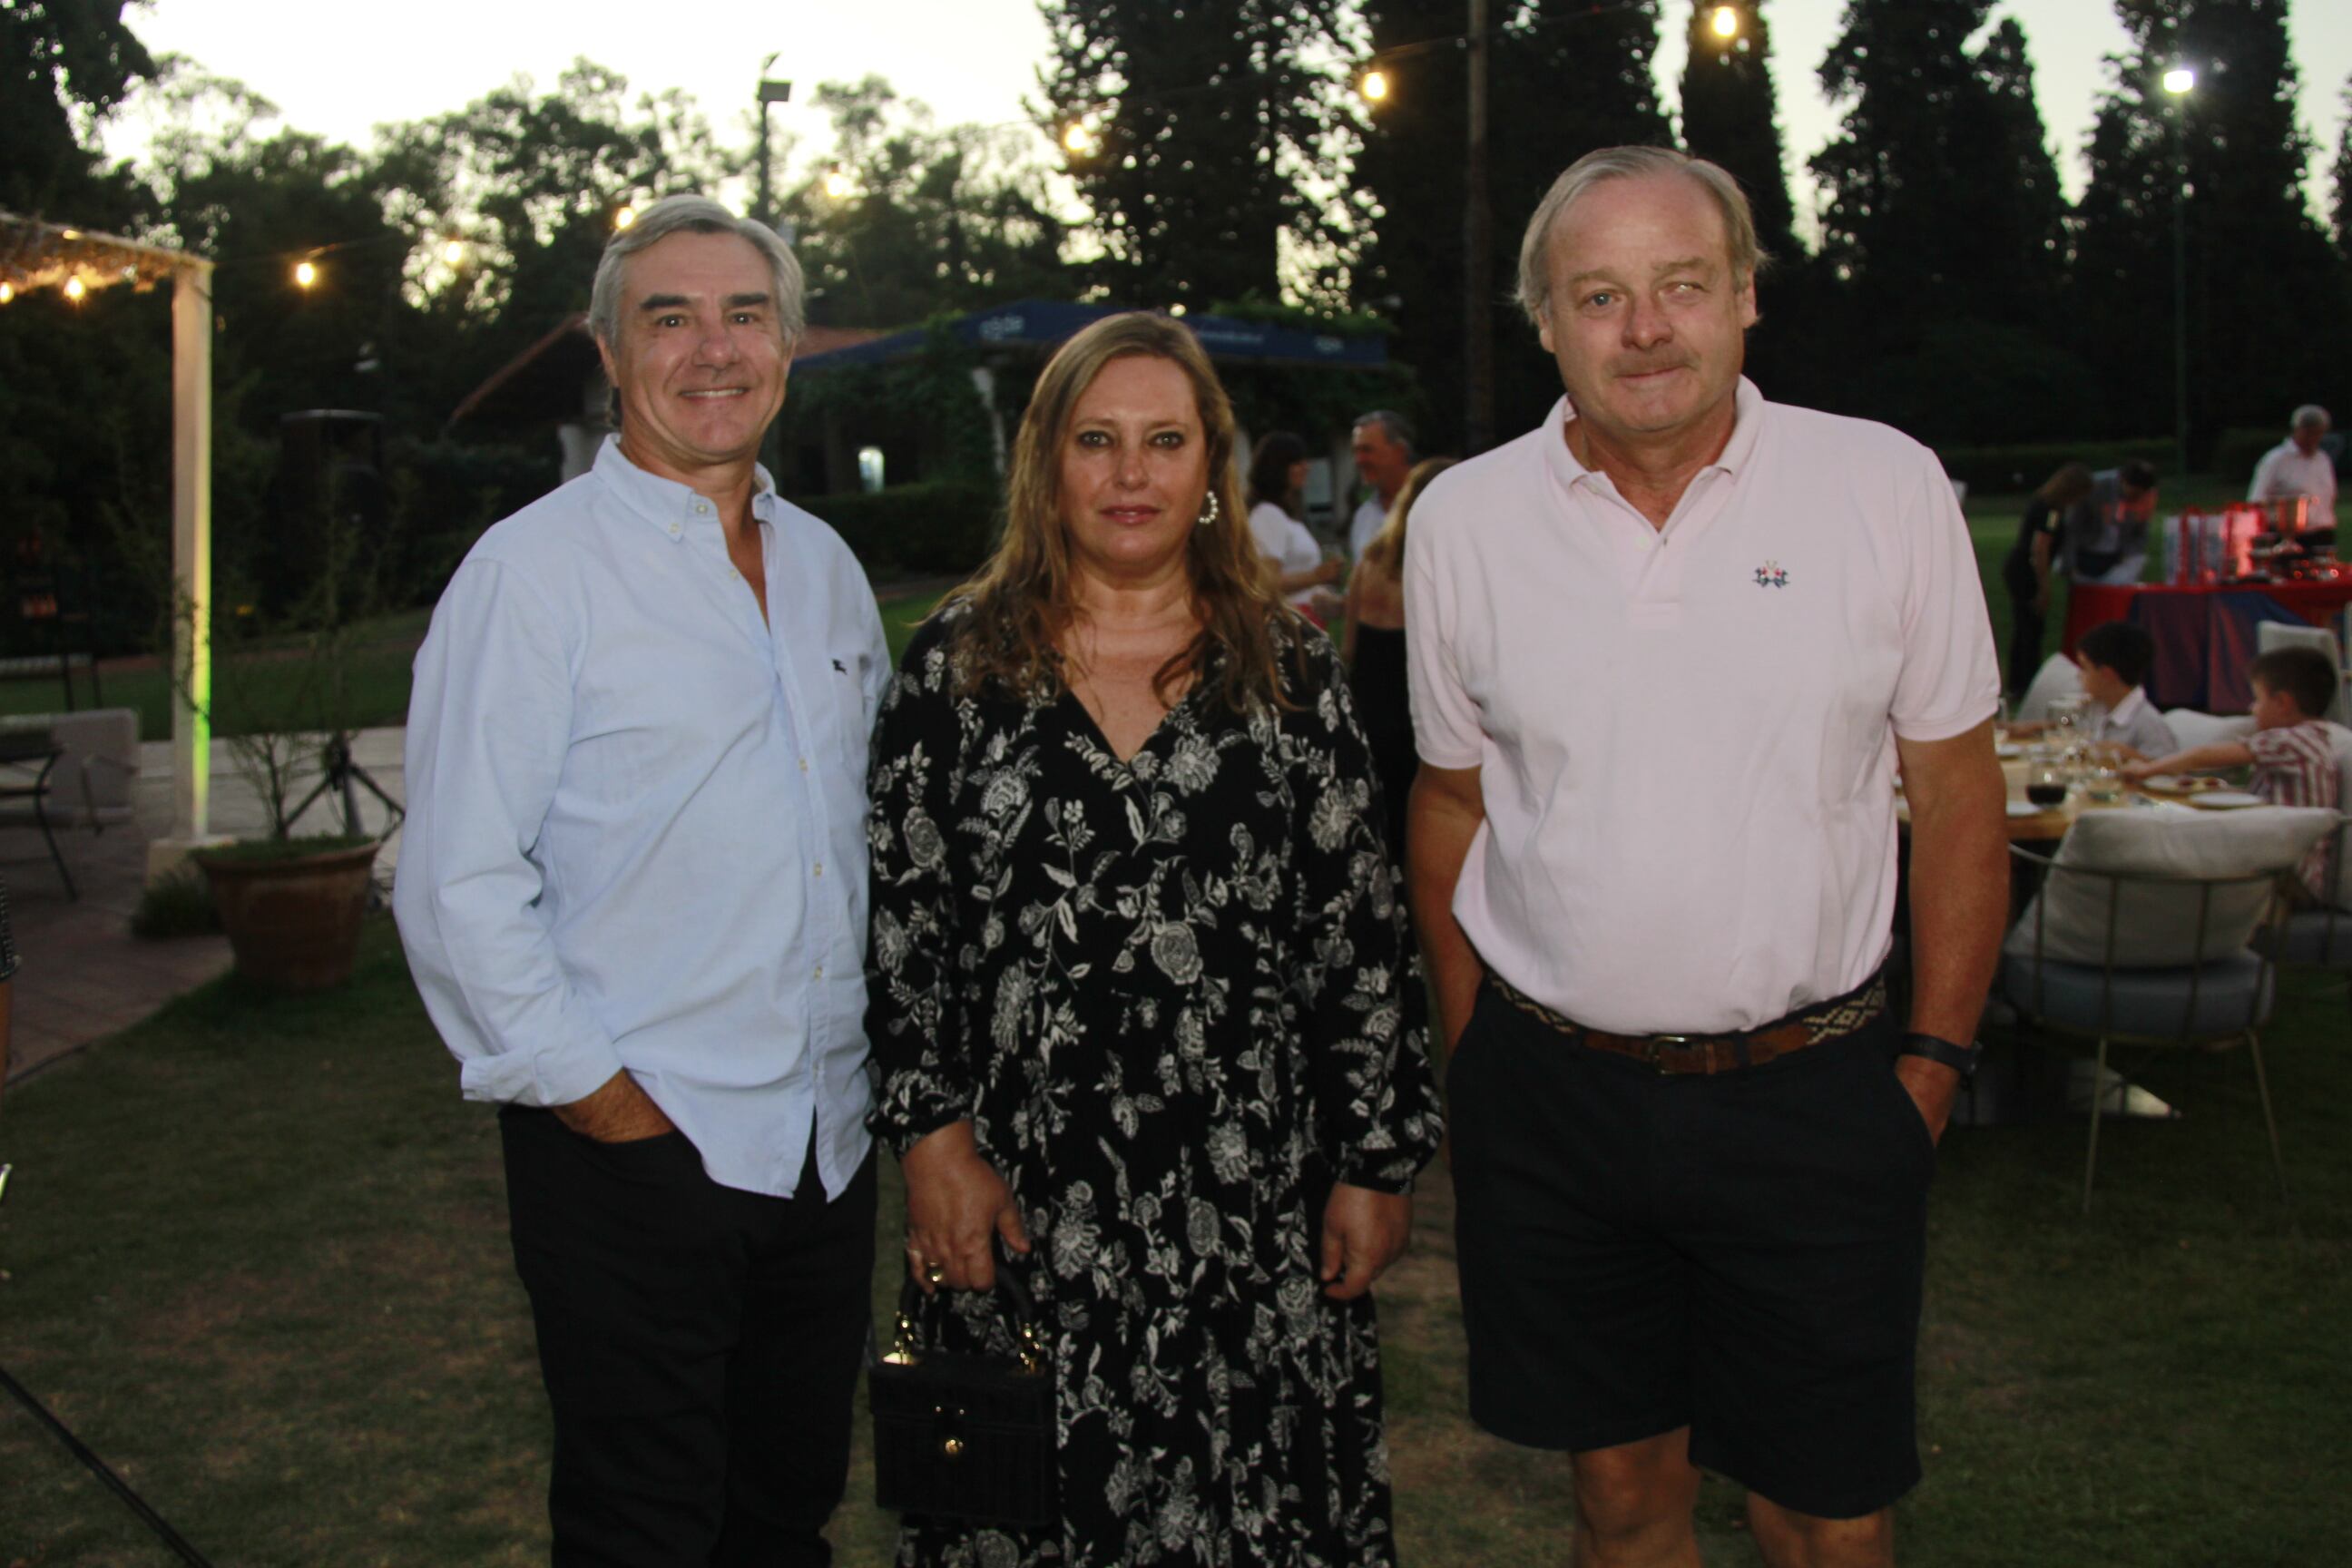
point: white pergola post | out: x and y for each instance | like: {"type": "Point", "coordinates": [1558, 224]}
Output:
{"type": "Point", "coordinates": [192, 565]}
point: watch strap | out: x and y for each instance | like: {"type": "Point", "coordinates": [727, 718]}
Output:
{"type": "Point", "coordinates": [1961, 1059]}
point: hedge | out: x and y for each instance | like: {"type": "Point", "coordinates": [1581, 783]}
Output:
{"type": "Point", "coordinates": [943, 527]}
{"type": "Point", "coordinates": [2015, 471]}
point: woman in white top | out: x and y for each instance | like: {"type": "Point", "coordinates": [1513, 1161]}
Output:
{"type": "Point", "coordinates": [1295, 562]}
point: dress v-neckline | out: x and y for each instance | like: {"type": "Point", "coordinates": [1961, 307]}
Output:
{"type": "Point", "coordinates": [1095, 732]}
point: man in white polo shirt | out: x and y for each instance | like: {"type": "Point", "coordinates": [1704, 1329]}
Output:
{"type": "Point", "coordinates": [1669, 649]}
{"type": "Point", "coordinates": [2297, 468]}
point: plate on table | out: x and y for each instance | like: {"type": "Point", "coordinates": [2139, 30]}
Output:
{"type": "Point", "coordinates": [2179, 784]}
{"type": "Point", "coordinates": [2006, 750]}
{"type": "Point", "coordinates": [2225, 799]}
{"type": "Point", "coordinates": [2027, 808]}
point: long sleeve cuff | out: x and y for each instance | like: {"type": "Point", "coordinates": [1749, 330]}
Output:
{"type": "Point", "coordinates": [545, 1078]}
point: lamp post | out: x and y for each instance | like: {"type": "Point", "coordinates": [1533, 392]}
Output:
{"type": "Point", "coordinates": [770, 93]}
{"type": "Point", "coordinates": [2178, 81]}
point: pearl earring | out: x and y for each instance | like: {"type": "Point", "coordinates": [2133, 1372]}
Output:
{"type": "Point", "coordinates": [1208, 514]}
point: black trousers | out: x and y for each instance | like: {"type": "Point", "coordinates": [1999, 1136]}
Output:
{"type": "Point", "coordinates": [700, 1347]}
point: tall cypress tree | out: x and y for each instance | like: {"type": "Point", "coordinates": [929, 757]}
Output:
{"type": "Point", "coordinates": [1203, 114]}
{"type": "Point", "coordinates": [1942, 227]}
{"type": "Point", "coordinates": [1563, 78]}
{"type": "Point", "coordinates": [2267, 314]}
{"type": "Point", "coordinates": [1731, 117]}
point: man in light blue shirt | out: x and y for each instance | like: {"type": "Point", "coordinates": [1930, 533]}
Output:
{"type": "Point", "coordinates": [632, 887]}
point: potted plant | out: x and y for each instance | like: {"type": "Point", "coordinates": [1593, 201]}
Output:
{"type": "Point", "coordinates": [290, 902]}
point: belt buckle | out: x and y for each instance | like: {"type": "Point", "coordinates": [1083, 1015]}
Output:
{"type": "Point", "coordinates": [1655, 1053]}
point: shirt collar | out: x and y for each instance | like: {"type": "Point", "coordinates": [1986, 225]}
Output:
{"type": "Point", "coordinates": [668, 505]}
{"type": "Point", "coordinates": [2134, 700]}
{"type": "Point", "coordinates": [1748, 411]}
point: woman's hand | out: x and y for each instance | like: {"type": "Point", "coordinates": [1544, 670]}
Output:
{"type": "Point", "coordinates": [956, 1205]}
{"type": "Point", "coordinates": [1363, 1233]}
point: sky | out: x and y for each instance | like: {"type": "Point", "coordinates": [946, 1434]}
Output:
{"type": "Point", "coordinates": [974, 61]}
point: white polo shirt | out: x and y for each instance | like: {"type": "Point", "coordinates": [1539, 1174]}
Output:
{"type": "Point", "coordinates": [1686, 737]}
{"type": "Point", "coordinates": [2285, 473]}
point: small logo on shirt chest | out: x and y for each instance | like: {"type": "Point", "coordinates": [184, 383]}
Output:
{"type": "Point", "coordinates": [1771, 576]}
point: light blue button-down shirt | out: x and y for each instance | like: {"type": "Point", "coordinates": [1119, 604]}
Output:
{"type": "Point", "coordinates": [636, 820]}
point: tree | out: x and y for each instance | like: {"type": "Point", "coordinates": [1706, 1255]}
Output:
{"type": "Point", "coordinates": [65, 65]}
{"type": "Point", "coordinates": [1731, 117]}
{"type": "Point", "coordinates": [1563, 79]}
{"type": "Point", "coordinates": [2343, 178]}
{"type": "Point", "coordinates": [1205, 120]}
{"type": "Point", "coordinates": [931, 221]}
{"type": "Point", "coordinates": [1941, 197]}
{"type": "Point", "coordinates": [2266, 312]}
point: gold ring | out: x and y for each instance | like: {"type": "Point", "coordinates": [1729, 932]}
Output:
{"type": "Point", "coordinates": [934, 1273]}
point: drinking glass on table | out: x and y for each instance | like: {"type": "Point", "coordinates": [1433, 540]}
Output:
{"type": "Point", "coordinates": [2045, 783]}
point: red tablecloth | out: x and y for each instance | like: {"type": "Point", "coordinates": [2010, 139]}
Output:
{"type": "Point", "coordinates": [2204, 635]}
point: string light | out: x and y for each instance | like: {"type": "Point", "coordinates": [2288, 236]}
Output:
{"type": "Point", "coordinates": [837, 183]}
{"type": "Point", "coordinates": [1726, 22]}
{"type": "Point", "coordinates": [625, 218]}
{"type": "Point", "coordinates": [76, 289]}
{"type": "Point", "coordinates": [306, 273]}
{"type": "Point", "coordinates": [1375, 85]}
{"type": "Point", "coordinates": [453, 253]}
{"type": "Point", "coordinates": [8, 292]}
{"type": "Point", "coordinates": [1078, 139]}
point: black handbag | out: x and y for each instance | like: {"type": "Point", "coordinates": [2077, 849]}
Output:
{"type": "Point", "coordinates": [958, 1436]}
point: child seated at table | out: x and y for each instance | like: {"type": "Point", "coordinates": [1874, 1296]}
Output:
{"type": "Point", "coordinates": [2115, 658]}
{"type": "Point", "coordinates": [2292, 750]}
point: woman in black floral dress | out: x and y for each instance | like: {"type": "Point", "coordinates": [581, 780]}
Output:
{"type": "Point", "coordinates": [1137, 984]}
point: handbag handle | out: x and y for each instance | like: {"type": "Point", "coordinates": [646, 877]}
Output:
{"type": "Point", "coordinates": [1025, 1320]}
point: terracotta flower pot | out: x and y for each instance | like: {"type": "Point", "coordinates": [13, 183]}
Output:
{"type": "Point", "coordinates": [293, 921]}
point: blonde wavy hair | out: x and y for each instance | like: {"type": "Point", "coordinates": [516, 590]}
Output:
{"type": "Point", "coordinates": [1386, 550]}
{"type": "Point", "coordinates": [1020, 603]}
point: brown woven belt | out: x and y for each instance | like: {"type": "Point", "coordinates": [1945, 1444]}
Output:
{"type": "Point", "coordinates": [1675, 1055]}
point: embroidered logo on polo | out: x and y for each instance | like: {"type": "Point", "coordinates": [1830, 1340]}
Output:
{"type": "Point", "coordinates": [1771, 576]}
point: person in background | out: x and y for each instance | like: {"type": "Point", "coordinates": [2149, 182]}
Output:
{"type": "Point", "coordinates": [2298, 469]}
{"type": "Point", "coordinates": [1295, 562]}
{"type": "Point", "coordinates": [2026, 571]}
{"type": "Point", "coordinates": [2292, 750]}
{"type": "Point", "coordinates": [1373, 646]}
{"type": "Point", "coordinates": [2106, 536]}
{"type": "Point", "coordinates": [1381, 443]}
{"type": "Point", "coordinates": [1138, 1002]}
{"type": "Point", "coordinates": [2115, 658]}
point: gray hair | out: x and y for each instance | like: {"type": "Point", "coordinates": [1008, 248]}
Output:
{"type": "Point", "coordinates": [1394, 426]}
{"type": "Point", "coordinates": [2309, 413]}
{"type": "Point", "coordinates": [1748, 259]}
{"type": "Point", "coordinates": [694, 215]}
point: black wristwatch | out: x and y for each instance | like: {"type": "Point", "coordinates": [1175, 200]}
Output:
{"type": "Point", "coordinates": [1961, 1059]}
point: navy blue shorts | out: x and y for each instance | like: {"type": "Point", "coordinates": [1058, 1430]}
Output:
{"type": "Point", "coordinates": [1740, 1254]}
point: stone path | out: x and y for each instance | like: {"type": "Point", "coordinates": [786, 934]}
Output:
{"type": "Point", "coordinates": [83, 974]}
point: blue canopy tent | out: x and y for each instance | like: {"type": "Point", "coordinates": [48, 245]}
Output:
{"type": "Point", "coordinates": [1031, 329]}
{"type": "Point", "coordinates": [1042, 324]}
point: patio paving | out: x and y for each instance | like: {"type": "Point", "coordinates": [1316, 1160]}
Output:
{"type": "Point", "coordinates": [83, 974]}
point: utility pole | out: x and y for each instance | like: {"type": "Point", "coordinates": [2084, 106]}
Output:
{"type": "Point", "coordinates": [770, 93]}
{"type": "Point", "coordinates": [1477, 257]}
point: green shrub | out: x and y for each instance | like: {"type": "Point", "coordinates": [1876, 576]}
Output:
{"type": "Point", "coordinates": [945, 527]}
{"type": "Point", "coordinates": [2015, 469]}
{"type": "Point", "coordinates": [179, 903]}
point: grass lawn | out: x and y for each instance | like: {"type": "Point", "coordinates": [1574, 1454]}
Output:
{"type": "Point", "coordinates": [257, 1258]}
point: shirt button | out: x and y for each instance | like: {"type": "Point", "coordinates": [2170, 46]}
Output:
{"type": "Point", "coordinates": [820, 867]}
{"type": "Point", "coordinates": [702, 508]}
{"type": "Point", "coordinates": [819, 971]}
{"type": "Point", "coordinates": [803, 764]}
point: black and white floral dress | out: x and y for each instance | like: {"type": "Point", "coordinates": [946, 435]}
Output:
{"type": "Point", "coordinates": [1168, 994]}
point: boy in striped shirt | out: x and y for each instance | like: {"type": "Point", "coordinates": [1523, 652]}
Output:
{"type": "Point", "coordinates": [2292, 750]}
